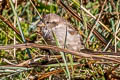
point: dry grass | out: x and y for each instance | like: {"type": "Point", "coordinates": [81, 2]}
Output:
{"type": "Point", "coordinates": [96, 20]}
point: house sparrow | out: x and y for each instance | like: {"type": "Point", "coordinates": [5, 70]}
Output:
{"type": "Point", "coordinates": [66, 35]}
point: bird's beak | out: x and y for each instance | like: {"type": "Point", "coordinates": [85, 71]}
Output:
{"type": "Point", "coordinates": [36, 25]}
{"type": "Point", "coordinates": [40, 24]}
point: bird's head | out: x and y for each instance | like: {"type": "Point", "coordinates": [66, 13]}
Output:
{"type": "Point", "coordinates": [52, 18]}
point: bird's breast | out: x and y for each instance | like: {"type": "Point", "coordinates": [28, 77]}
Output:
{"type": "Point", "coordinates": [63, 32]}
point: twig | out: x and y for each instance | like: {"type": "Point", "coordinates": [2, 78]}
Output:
{"type": "Point", "coordinates": [11, 26]}
{"type": "Point", "coordinates": [96, 21]}
{"type": "Point", "coordinates": [55, 48]}
{"type": "Point", "coordinates": [8, 61]}
{"type": "Point", "coordinates": [99, 22]}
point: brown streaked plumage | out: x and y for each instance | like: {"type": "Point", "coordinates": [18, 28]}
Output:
{"type": "Point", "coordinates": [59, 26]}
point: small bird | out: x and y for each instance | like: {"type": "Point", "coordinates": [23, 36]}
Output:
{"type": "Point", "coordinates": [67, 36]}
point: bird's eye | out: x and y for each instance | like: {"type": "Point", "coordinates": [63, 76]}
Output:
{"type": "Point", "coordinates": [47, 22]}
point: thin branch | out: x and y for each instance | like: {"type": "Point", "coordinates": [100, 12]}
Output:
{"type": "Point", "coordinates": [57, 49]}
